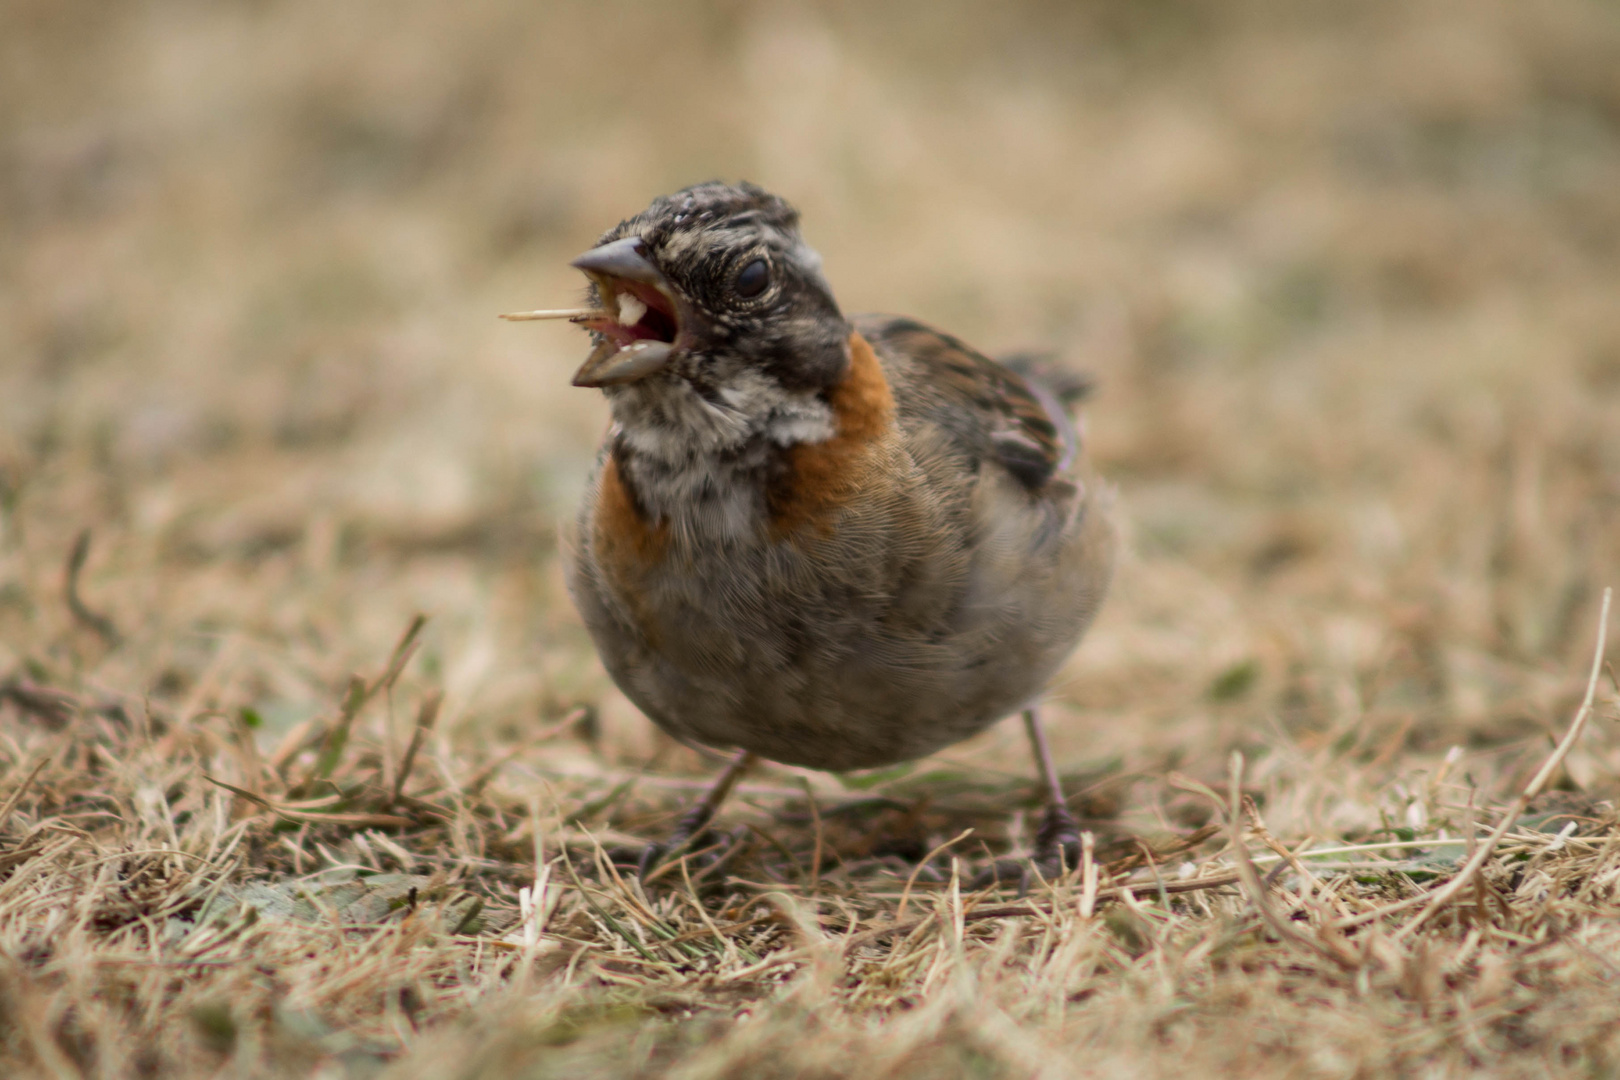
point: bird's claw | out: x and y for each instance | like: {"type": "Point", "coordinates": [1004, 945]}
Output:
{"type": "Point", "coordinates": [1057, 851]}
{"type": "Point", "coordinates": [1057, 841]}
{"type": "Point", "coordinates": [692, 827]}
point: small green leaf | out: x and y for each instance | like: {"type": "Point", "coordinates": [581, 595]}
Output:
{"type": "Point", "coordinates": [1235, 681]}
{"type": "Point", "coordinates": [215, 1026]}
{"type": "Point", "coordinates": [869, 779]}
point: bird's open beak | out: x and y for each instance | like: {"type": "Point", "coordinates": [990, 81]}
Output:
{"type": "Point", "coordinates": [639, 320]}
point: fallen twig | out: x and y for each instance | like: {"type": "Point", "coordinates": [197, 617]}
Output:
{"type": "Point", "coordinates": [54, 707]}
{"type": "Point", "coordinates": [385, 821]}
{"type": "Point", "coordinates": [1013, 911]}
{"type": "Point", "coordinates": [356, 697]}
{"type": "Point", "coordinates": [16, 796]}
{"type": "Point", "coordinates": [1284, 929]}
{"type": "Point", "coordinates": [1439, 897]}
{"type": "Point", "coordinates": [427, 714]}
{"type": "Point", "coordinates": [1481, 852]}
{"type": "Point", "coordinates": [103, 627]}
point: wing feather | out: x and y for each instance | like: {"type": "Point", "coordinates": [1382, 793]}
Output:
{"type": "Point", "coordinates": [994, 411]}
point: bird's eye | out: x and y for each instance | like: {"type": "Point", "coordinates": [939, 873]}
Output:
{"type": "Point", "coordinates": [752, 279]}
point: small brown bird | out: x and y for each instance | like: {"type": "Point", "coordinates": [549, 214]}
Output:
{"type": "Point", "coordinates": [827, 542]}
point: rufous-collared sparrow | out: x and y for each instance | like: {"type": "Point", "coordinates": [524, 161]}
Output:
{"type": "Point", "coordinates": [828, 542]}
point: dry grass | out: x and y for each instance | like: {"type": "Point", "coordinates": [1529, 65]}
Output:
{"type": "Point", "coordinates": [1345, 273]}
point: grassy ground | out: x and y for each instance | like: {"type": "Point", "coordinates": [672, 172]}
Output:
{"type": "Point", "coordinates": [1346, 274]}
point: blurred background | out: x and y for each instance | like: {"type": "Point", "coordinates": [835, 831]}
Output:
{"type": "Point", "coordinates": [1348, 276]}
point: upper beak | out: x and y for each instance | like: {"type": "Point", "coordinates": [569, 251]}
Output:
{"type": "Point", "coordinates": [622, 260]}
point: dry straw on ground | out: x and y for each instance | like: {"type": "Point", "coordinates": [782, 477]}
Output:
{"type": "Point", "coordinates": [326, 910]}
{"type": "Point", "coordinates": [1346, 277]}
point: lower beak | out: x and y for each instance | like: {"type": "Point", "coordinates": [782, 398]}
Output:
{"type": "Point", "coordinates": [609, 365]}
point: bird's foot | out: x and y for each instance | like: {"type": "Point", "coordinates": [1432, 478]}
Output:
{"type": "Point", "coordinates": [689, 828]}
{"type": "Point", "coordinates": [1057, 851]}
{"type": "Point", "coordinates": [1057, 841]}
{"type": "Point", "coordinates": [707, 849]}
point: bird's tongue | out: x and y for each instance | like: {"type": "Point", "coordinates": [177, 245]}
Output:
{"type": "Point", "coordinates": [644, 314]}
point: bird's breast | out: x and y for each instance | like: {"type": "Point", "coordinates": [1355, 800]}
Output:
{"type": "Point", "coordinates": [815, 480]}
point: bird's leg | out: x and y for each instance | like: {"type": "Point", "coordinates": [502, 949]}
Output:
{"type": "Point", "coordinates": [1057, 841]}
{"type": "Point", "coordinates": [691, 824]}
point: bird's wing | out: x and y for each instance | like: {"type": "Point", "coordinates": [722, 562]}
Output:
{"type": "Point", "coordinates": [993, 411]}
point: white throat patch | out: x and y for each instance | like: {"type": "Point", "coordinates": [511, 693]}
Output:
{"type": "Point", "coordinates": [699, 463]}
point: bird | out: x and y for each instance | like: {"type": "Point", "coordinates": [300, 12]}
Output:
{"type": "Point", "coordinates": [832, 542]}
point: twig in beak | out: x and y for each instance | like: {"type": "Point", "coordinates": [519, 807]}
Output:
{"type": "Point", "coordinates": [559, 313]}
